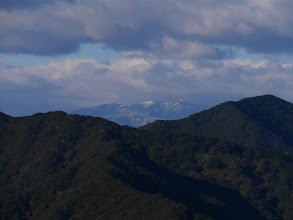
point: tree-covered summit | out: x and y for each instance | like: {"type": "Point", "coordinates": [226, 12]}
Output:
{"type": "Point", "coordinates": [259, 121]}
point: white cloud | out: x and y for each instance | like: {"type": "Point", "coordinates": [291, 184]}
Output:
{"type": "Point", "coordinates": [135, 77]}
{"type": "Point", "coordinates": [247, 62]}
{"type": "Point", "coordinates": [187, 49]}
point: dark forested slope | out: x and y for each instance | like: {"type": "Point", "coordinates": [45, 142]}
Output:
{"type": "Point", "coordinates": [59, 166]}
{"type": "Point", "coordinates": [260, 121]}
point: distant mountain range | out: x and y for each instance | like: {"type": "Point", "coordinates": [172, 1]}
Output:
{"type": "Point", "coordinates": [137, 115]}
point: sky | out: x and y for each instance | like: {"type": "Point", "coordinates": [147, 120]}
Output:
{"type": "Point", "coordinates": [70, 54]}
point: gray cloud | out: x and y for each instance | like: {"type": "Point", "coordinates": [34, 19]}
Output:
{"type": "Point", "coordinates": [58, 27]}
{"type": "Point", "coordinates": [26, 4]}
{"type": "Point", "coordinates": [135, 77]}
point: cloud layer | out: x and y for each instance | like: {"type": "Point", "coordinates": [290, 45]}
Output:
{"type": "Point", "coordinates": [135, 77]}
{"type": "Point", "coordinates": [179, 29]}
{"type": "Point", "coordinates": [170, 48]}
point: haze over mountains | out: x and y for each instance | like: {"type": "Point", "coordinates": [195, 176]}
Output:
{"type": "Point", "coordinates": [60, 166]}
{"type": "Point", "coordinates": [137, 115]}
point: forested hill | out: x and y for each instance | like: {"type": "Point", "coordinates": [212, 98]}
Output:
{"type": "Point", "coordinates": [59, 166]}
{"type": "Point", "coordinates": [259, 121]}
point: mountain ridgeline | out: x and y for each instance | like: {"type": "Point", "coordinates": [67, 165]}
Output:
{"type": "Point", "coordinates": [59, 166]}
{"type": "Point", "coordinates": [265, 121]}
{"type": "Point", "coordinates": [137, 115]}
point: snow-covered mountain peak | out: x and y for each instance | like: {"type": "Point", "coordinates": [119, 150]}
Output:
{"type": "Point", "coordinates": [140, 114]}
{"type": "Point", "coordinates": [148, 103]}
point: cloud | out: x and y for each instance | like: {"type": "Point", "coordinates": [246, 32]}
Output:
{"type": "Point", "coordinates": [191, 50]}
{"type": "Point", "coordinates": [194, 29]}
{"type": "Point", "coordinates": [136, 77]}
{"type": "Point", "coordinates": [26, 4]}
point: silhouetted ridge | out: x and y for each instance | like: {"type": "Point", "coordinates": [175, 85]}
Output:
{"type": "Point", "coordinates": [259, 121]}
{"type": "Point", "coordinates": [264, 99]}
{"type": "Point", "coordinates": [3, 114]}
{"type": "Point", "coordinates": [59, 166]}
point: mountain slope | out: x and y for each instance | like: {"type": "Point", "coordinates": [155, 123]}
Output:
{"type": "Point", "coordinates": [260, 121]}
{"type": "Point", "coordinates": [141, 114]}
{"type": "Point", "coordinates": [59, 166]}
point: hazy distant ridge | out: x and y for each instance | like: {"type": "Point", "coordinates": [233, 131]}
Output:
{"type": "Point", "coordinates": [137, 115]}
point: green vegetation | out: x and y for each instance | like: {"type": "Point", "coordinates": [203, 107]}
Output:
{"type": "Point", "coordinates": [59, 166]}
{"type": "Point", "coordinates": [260, 121]}
{"type": "Point", "coordinates": [56, 166]}
{"type": "Point", "coordinates": [252, 171]}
